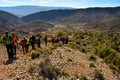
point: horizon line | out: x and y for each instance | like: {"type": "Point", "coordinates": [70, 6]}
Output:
{"type": "Point", "coordinates": [65, 6]}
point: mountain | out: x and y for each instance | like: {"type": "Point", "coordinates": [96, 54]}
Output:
{"type": "Point", "coordinates": [34, 26]}
{"type": "Point", "coordinates": [75, 15]}
{"type": "Point", "coordinates": [8, 20]}
{"type": "Point", "coordinates": [25, 10]}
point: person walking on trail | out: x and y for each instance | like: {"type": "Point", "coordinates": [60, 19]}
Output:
{"type": "Point", "coordinates": [62, 39]}
{"type": "Point", "coordinates": [66, 40]}
{"type": "Point", "coordinates": [32, 42]}
{"type": "Point", "coordinates": [23, 44]}
{"type": "Point", "coordinates": [38, 41]}
{"type": "Point", "coordinates": [14, 44]}
{"type": "Point", "coordinates": [8, 43]}
{"type": "Point", "coordinates": [27, 43]}
{"type": "Point", "coordinates": [45, 40]}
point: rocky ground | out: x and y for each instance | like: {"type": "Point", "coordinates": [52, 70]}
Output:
{"type": "Point", "coordinates": [72, 61]}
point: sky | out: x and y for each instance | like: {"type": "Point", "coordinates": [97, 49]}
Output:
{"type": "Point", "coordinates": [63, 3]}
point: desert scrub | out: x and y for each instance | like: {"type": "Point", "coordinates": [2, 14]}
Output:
{"type": "Point", "coordinates": [69, 60]}
{"type": "Point", "coordinates": [34, 54]}
{"type": "Point", "coordinates": [47, 70]}
{"type": "Point", "coordinates": [92, 58]}
{"type": "Point", "coordinates": [92, 64]}
{"type": "Point", "coordinates": [46, 51]}
{"type": "Point", "coordinates": [61, 33]}
{"type": "Point", "coordinates": [98, 75]}
{"type": "Point", "coordinates": [57, 45]}
{"type": "Point", "coordinates": [30, 68]}
{"type": "Point", "coordinates": [80, 77]}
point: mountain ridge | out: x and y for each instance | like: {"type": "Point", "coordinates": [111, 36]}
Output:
{"type": "Point", "coordinates": [28, 9]}
{"type": "Point", "coordinates": [75, 15]}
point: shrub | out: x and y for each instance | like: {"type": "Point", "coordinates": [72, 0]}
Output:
{"type": "Point", "coordinates": [30, 68]}
{"type": "Point", "coordinates": [60, 33]}
{"type": "Point", "coordinates": [34, 54]}
{"type": "Point", "coordinates": [92, 64]}
{"type": "Point", "coordinates": [46, 51]}
{"type": "Point", "coordinates": [83, 50]}
{"type": "Point", "coordinates": [104, 52]}
{"type": "Point", "coordinates": [114, 67]}
{"type": "Point", "coordinates": [47, 70]}
{"type": "Point", "coordinates": [80, 77]}
{"type": "Point", "coordinates": [92, 57]}
{"type": "Point", "coordinates": [98, 75]}
{"type": "Point", "coordinates": [83, 78]}
{"type": "Point", "coordinates": [69, 60]}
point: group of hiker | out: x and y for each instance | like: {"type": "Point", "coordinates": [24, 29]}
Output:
{"type": "Point", "coordinates": [12, 41]}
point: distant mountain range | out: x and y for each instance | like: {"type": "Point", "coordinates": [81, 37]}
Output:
{"type": "Point", "coordinates": [76, 15]}
{"type": "Point", "coordinates": [91, 18]}
{"type": "Point", "coordinates": [26, 10]}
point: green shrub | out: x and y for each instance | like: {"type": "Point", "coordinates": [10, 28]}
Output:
{"type": "Point", "coordinates": [104, 52]}
{"type": "Point", "coordinates": [34, 54]}
{"type": "Point", "coordinates": [69, 60]}
{"type": "Point", "coordinates": [83, 78]}
{"type": "Point", "coordinates": [114, 67]}
{"type": "Point", "coordinates": [46, 51]}
{"type": "Point", "coordinates": [30, 68]}
{"type": "Point", "coordinates": [61, 33]}
{"type": "Point", "coordinates": [83, 49]}
{"type": "Point", "coordinates": [80, 77]}
{"type": "Point", "coordinates": [92, 64]}
{"type": "Point", "coordinates": [50, 71]}
{"type": "Point", "coordinates": [92, 57]}
{"type": "Point", "coordinates": [98, 75]}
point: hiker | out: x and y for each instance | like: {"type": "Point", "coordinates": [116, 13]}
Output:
{"type": "Point", "coordinates": [62, 39]}
{"type": "Point", "coordinates": [8, 43]}
{"type": "Point", "coordinates": [23, 44]}
{"type": "Point", "coordinates": [53, 41]}
{"type": "Point", "coordinates": [27, 43]}
{"type": "Point", "coordinates": [14, 44]}
{"type": "Point", "coordinates": [32, 42]}
{"type": "Point", "coordinates": [66, 40]}
{"type": "Point", "coordinates": [45, 40]}
{"type": "Point", "coordinates": [38, 41]}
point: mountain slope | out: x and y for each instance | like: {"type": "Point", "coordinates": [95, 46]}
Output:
{"type": "Point", "coordinates": [75, 15]}
{"type": "Point", "coordinates": [8, 20]}
{"type": "Point", "coordinates": [25, 10]}
{"type": "Point", "coordinates": [111, 24]}
{"type": "Point", "coordinates": [35, 26]}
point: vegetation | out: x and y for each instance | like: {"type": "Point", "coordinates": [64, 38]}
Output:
{"type": "Point", "coordinates": [105, 45]}
{"type": "Point", "coordinates": [34, 54]}
{"type": "Point", "coordinates": [47, 70]}
{"type": "Point", "coordinates": [92, 64]}
{"type": "Point", "coordinates": [92, 57]}
{"type": "Point", "coordinates": [98, 75]}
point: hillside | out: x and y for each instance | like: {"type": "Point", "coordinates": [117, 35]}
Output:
{"type": "Point", "coordinates": [8, 20]}
{"type": "Point", "coordinates": [75, 15]}
{"type": "Point", "coordinates": [35, 26]}
{"type": "Point", "coordinates": [108, 25]}
{"type": "Point", "coordinates": [88, 56]}
{"type": "Point", "coordinates": [26, 10]}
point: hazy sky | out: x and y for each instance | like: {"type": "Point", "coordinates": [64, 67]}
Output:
{"type": "Point", "coordinates": [63, 3]}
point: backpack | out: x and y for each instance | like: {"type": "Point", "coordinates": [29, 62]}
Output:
{"type": "Point", "coordinates": [23, 43]}
{"type": "Point", "coordinates": [14, 40]}
{"type": "Point", "coordinates": [38, 40]}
